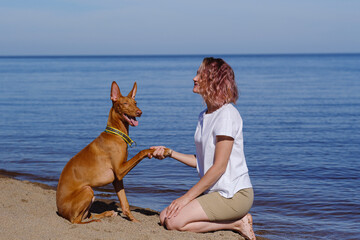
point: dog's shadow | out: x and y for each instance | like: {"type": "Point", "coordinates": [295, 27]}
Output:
{"type": "Point", "coordinates": [102, 206]}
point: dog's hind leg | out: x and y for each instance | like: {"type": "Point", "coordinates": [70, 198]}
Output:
{"type": "Point", "coordinates": [84, 199]}
{"type": "Point", "coordinates": [81, 203]}
{"type": "Point", "coordinates": [104, 214]}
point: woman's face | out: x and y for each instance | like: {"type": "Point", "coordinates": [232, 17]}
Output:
{"type": "Point", "coordinates": [196, 80]}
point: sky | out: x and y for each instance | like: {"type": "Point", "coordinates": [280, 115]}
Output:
{"type": "Point", "coordinates": [133, 27]}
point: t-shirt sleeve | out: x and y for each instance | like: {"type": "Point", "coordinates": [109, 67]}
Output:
{"type": "Point", "coordinates": [227, 124]}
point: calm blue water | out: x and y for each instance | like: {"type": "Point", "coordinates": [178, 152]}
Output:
{"type": "Point", "coordinates": [301, 127]}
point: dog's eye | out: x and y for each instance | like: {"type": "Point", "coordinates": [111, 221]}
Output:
{"type": "Point", "coordinates": [125, 103]}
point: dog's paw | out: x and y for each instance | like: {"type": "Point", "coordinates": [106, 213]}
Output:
{"type": "Point", "coordinates": [110, 214]}
{"type": "Point", "coordinates": [135, 220]}
{"type": "Point", "coordinates": [167, 152]}
{"type": "Point", "coordinates": [114, 214]}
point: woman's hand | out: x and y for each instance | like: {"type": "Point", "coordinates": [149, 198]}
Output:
{"type": "Point", "coordinates": [175, 207]}
{"type": "Point", "coordinates": [158, 153]}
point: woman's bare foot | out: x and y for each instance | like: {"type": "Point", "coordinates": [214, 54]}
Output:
{"type": "Point", "coordinates": [245, 227]}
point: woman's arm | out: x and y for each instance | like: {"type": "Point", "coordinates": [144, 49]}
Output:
{"type": "Point", "coordinates": [223, 149]}
{"type": "Point", "coordinates": [187, 159]}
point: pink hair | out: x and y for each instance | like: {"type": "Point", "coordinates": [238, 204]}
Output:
{"type": "Point", "coordinates": [217, 82]}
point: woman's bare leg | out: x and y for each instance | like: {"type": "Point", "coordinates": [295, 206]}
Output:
{"type": "Point", "coordinates": [192, 218]}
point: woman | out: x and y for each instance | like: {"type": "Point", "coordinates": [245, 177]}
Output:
{"type": "Point", "coordinates": [220, 161]}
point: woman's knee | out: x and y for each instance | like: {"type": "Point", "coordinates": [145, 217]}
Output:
{"type": "Point", "coordinates": [162, 217]}
{"type": "Point", "coordinates": [192, 212]}
{"type": "Point", "coordinates": [173, 224]}
{"type": "Point", "coordinates": [170, 224]}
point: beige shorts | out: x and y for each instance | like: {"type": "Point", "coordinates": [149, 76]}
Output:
{"type": "Point", "coordinates": [218, 208]}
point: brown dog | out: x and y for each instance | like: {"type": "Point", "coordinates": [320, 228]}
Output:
{"type": "Point", "coordinates": [102, 162]}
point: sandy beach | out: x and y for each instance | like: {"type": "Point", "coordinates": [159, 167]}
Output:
{"type": "Point", "coordinates": [28, 211]}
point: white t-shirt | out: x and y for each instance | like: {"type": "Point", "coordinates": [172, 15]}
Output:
{"type": "Point", "coordinates": [225, 121]}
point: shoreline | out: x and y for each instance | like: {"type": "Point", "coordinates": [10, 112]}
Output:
{"type": "Point", "coordinates": [29, 212]}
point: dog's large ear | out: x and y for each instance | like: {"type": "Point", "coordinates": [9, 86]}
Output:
{"type": "Point", "coordinates": [115, 93]}
{"type": "Point", "coordinates": [132, 93]}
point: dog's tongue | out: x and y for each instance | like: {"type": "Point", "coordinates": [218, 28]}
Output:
{"type": "Point", "coordinates": [134, 122]}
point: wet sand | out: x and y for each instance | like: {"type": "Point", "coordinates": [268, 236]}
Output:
{"type": "Point", "coordinates": [28, 211]}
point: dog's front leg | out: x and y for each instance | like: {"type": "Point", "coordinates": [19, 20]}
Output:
{"type": "Point", "coordinates": [122, 170]}
{"type": "Point", "coordinates": [120, 192]}
{"type": "Point", "coordinates": [130, 164]}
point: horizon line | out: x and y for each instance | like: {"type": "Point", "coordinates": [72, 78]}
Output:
{"type": "Point", "coordinates": [171, 55]}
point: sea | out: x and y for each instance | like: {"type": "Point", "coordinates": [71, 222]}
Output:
{"type": "Point", "coordinates": [301, 115]}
